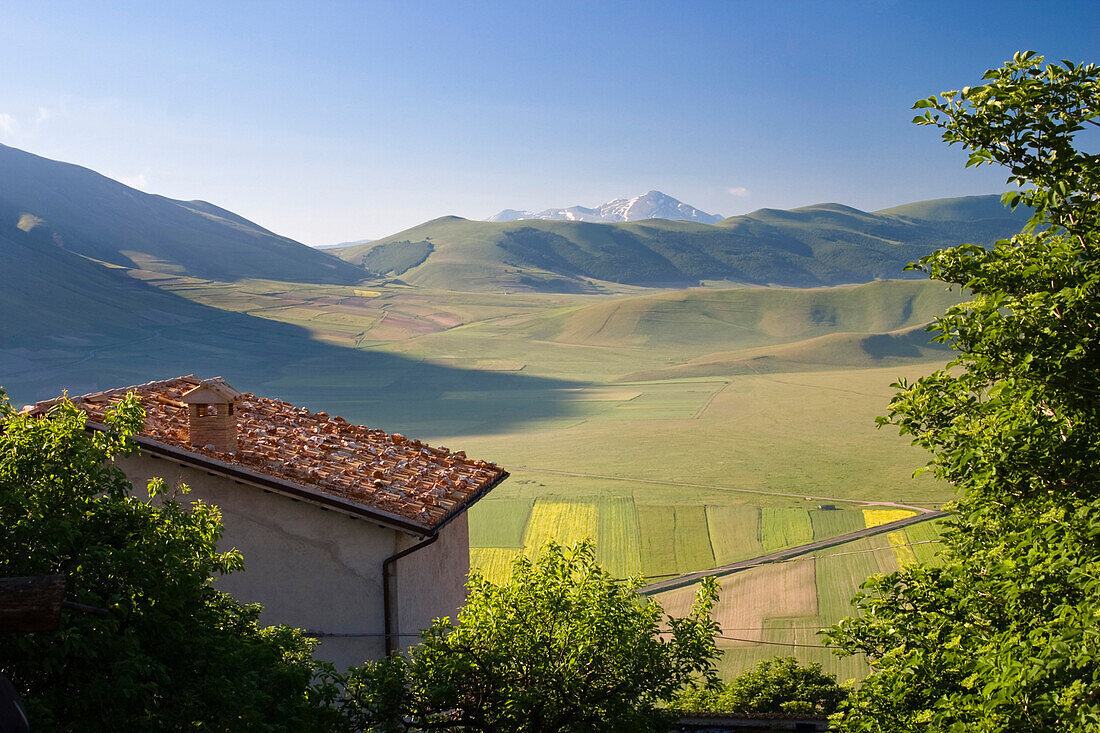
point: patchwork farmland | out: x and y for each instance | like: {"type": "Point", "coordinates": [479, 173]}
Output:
{"type": "Point", "coordinates": [681, 430]}
{"type": "Point", "coordinates": [770, 609]}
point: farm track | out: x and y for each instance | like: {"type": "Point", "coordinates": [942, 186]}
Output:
{"type": "Point", "coordinates": [663, 482]}
{"type": "Point", "coordinates": [780, 556]}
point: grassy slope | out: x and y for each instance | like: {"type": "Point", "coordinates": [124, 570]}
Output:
{"type": "Point", "coordinates": [826, 244]}
{"type": "Point", "coordinates": [747, 317]}
{"type": "Point", "coordinates": [90, 214]}
{"type": "Point", "coordinates": [802, 432]}
{"type": "Point", "coordinates": [543, 388]}
{"type": "Point", "coordinates": [81, 297]}
{"type": "Point", "coordinates": [666, 425]}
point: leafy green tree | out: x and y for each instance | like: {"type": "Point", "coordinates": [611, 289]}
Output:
{"type": "Point", "coordinates": [563, 647]}
{"type": "Point", "coordinates": [172, 652]}
{"type": "Point", "coordinates": [779, 685]}
{"type": "Point", "coordinates": [1005, 635]}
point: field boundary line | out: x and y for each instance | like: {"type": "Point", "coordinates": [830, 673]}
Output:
{"type": "Point", "coordinates": [782, 555]}
{"type": "Point", "coordinates": [710, 400]}
{"type": "Point", "coordinates": [762, 492]}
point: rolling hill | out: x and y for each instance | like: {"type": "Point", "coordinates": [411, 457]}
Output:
{"type": "Point", "coordinates": [832, 351]}
{"type": "Point", "coordinates": [826, 244]}
{"type": "Point", "coordinates": [692, 322]}
{"type": "Point", "coordinates": [85, 213]}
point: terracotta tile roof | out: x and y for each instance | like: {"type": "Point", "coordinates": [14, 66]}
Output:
{"type": "Point", "coordinates": [320, 453]}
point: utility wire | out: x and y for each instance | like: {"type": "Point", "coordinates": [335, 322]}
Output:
{"type": "Point", "coordinates": [800, 558]}
{"type": "Point", "coordinates": [349, 634]}
{"type": "Point", "coordinates": [343, 635]}
{"type": "Point", "coordinates": [314, 634]}
{"type": "Point", "coordinates": [775, 643]}
{"type": "Point", "coordinates": [352, 634]}
{"type": "Point", "coordinates": [775, 628]}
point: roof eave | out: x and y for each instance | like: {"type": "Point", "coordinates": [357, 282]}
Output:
{"type": "Point", "coordinates": [465, 506]}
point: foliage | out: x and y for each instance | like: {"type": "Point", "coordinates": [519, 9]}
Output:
{"type": "Point", "coordinates": [394, 258]}
{"type": "Point", "coordinates": [1006, 634]}
{"type": "Point", "coordinates": [777, 685]}
{"type": "Point", "coordinates": [172, 652]}
{"type": "Point", "coordinates": [561, 647]}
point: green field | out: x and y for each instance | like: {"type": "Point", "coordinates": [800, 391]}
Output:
{"type": "Point", "coordinates": [765, 609]}
{"type": "Point", "coordinates": [503, 527]}
{"type": "Point", "coordinates": [734, 532]}
{"type": "Point", "coordinates": [680, 430]}
{"type": "Point", "coordinates": [562, 522]}
{"type": "Point", "coordinates": [832, 523]}
{"type": "Point", "coordinates": [781, 528]}
{"type": "Point", "coordinates": [924, 538]}
{"type": "Point", "coordinates": [618, 536]}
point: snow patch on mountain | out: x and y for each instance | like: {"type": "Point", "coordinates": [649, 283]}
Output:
{"type": "Point", "coordinates": [653, 205]}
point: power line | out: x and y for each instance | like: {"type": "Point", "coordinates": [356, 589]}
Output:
{"type": "Point", "coordinates": [344, 635]}
{"type": "Point", "coordinates": [791, 559]}
{"type": "Point", "coordinates": [349, 634]}
{"type": "Point", "coordinates": [774, 628]}
{"type": "Point", "coordinates": [775, 643]}
{"type": "Point", "coordinates": [354, 634]}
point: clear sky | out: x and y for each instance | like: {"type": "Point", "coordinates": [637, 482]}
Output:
{"type": "Point", "coordinates": [330, 122]}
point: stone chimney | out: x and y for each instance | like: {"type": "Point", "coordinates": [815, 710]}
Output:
{"type": "Point", "coordinates": [212, 415]}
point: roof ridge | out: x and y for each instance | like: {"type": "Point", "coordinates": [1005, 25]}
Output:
{"type": "Point", "coordinates": [323, 454]}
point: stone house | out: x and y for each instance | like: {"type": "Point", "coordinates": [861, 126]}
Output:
{"type": "Point", "coordinates": [355, 535]}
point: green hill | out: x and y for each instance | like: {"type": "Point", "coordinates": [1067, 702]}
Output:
{"type": "Point", "coordinates": [826, 244]}
{"type": "Point", "coordinates": [696, 322]}
{"type": "Point", "coordinates": [89, 214]}
{"type": "Point", "coordinates": [834, 350]}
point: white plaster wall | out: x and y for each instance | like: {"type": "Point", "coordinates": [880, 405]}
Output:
{"type": "Point", "coordinates": [314, 568]}
{"type": "Point", "coordinates": [431, 582]}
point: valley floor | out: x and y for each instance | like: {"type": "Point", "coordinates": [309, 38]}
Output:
{"type": "Point", "coordinates": [680, 430]}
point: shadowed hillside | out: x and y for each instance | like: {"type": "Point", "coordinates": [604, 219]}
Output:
{"type": "Point", "coordinates": [267, 357]}
{"type": "Point", "coordinates": [747, 317]}
{"type": "Point", "coordinates": [67, 322]}
{"type": "Point", "coordinates": [49, 291]}
{"type": "Point", "coordinates": [88, 214]}
{"type": "Point", "coordinates": [826, 244]}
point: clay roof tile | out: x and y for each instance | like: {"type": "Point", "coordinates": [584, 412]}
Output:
{"type": "Point", "coordinates": [320, 453]}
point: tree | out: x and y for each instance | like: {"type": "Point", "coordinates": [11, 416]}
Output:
{"type": "Point", "coordinates": [779, 685]}
{"type": "Point", "coordinates": [1005, 634]}
{"type": "Point", "coordinates": [563, 647]}
{"type": "Point", "coordinates": [171, 652]}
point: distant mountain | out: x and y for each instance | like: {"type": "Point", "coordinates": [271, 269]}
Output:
{"type": "Point", "coordinates": [91, 215]}
{"type": "Point", "coordinates": [653, 205]}
{"type": "Point", "coordinates": [825, 244]}
{"type": "Point", "coordinates": [338, 245]}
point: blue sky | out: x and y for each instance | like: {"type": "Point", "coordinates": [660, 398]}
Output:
{"type": "Point", "coordinates": [337, 121]}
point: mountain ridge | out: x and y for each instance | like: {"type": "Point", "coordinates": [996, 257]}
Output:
{"type": "Point", "coordinates": [98, 217]}
{"type": "Point", "coordinates": [651, 205]}
{"type": "Point", "coordinates": [821, 244]}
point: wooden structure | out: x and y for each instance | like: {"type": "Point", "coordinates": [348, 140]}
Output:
{"type": "Point", "coordinates": [31, 604]}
